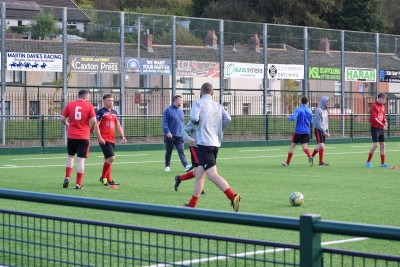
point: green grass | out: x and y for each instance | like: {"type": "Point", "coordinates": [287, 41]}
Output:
{"type": "Point", "coordinates": [345, 191]}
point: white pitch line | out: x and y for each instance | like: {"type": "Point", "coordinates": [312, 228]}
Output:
{"type": "Point", "coordinates": [41, 158]}
{"type": "Point", "coordinates": [117, 155]}
{"type": "Point", "coordinates": [261, 150]}
{"type": "Point", "coordinates": [359, 146]}
{"type": "Point", "coordinates": [251, 253]}
{"type": "Point", "coordinates": [161, 161]}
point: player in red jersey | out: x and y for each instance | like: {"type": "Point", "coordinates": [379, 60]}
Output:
{"type": "Point", "coordinates": [80, 119]}
{"type": "Point", "coordinates": [107, 121]}
{"type": "Point", "coordinates": [377, 119]}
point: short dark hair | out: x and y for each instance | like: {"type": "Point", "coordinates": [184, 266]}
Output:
{"type": "Point", "coordinates": [207, 88]}
{"type": "Point", "coordinates": [304, 100]}
{"type": "Point", "coordinates": [107, 96]}
{"type": "Point", "coordinates": [176, 97]}
{"type": "Point", "coordinates": [82, 93]}
{"type": "Point", "coordinates": [381, 95]}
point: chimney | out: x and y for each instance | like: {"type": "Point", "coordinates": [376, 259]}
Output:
{"type": "Point", "coordinates": [146, 41]}
{"type": "Point", "coordinates": [254, 42]}
{"type": "Point", "coordinates": [324, 44]}
{"type": "Point", "coordinates": [211, 39]}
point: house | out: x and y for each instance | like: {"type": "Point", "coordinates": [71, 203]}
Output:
{"type": "Point", "coordinates": [21, 12]}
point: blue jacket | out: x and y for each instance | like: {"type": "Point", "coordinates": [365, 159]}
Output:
{"type": "Point", "coordinates": [172, 121]}
{"type": "Point", "coordinates": [303, 115]}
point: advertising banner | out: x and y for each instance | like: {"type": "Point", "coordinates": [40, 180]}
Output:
{"type": "Point", "coordinates": [360, 74]}
{"type": "Point", "coordinates": [320, 73]}
{"type": "Point", "coordinates": [390, 76]}
{"type": "Point", "coordinates": [148, 66]}
{"type": "Point", "coordinates": [285, 72]}
{"type": "Point", "coordinates": [197, 68]}
{"type": "Point", "coordinates": [95, 64]}
{"type": "Point", "coordinates": [34, 62]}
{"type": "Point", "coordinates": [244, 70]}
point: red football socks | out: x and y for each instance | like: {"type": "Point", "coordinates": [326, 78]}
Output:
{"type": "Point", "coordinates": [186, 176]}
{"type": "Point", "coordinates": [229, 193]}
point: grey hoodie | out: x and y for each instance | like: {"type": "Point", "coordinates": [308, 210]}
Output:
{"type": "Point", "coordinates": [321, 116]}
{"type": "Point", "coordinates": [211, 118]}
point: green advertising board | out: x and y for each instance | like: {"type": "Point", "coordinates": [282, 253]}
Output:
{"type": "Point", "coordinates": [320, 73]}
{"type": "Point", "coordinates": [360, 74]}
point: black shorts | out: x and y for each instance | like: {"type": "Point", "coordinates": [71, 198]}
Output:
{"type": "Point", "coordinates": [80, 147]}
{"type": "Point", "coordinates": [193, 155]}
{"type": "Point", "coordinates": [377, 134]}
{"type": "Point", "coordinates": [300, 138]}
{"type": "Point", "coordinates": [108, 149]}
{"type": "Point", "coordinates": [319, 135]}
{"type": "Point", "coordinates": [207, 156]}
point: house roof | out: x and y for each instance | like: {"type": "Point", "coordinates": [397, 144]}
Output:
{"type": "Point", "coordinates": [282, 54]}
{"type": "Point", "coordinates": [22, 9]}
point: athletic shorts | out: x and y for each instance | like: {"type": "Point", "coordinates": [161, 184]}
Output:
{"type": "Point", "coordinates": [300, 138]}
{"type": "Point", "coordinates": [319, 135]}
{"type": "Point", "coordinates": [108, 149]}
{"type": "Point", "coordinates": [377, 134]}
{"type": "Point", "coordinates": [193, 155]}
{"type": "Point", "coordinates": [207, 156]}
{"type": "Point", "coordinates": [80, 147]}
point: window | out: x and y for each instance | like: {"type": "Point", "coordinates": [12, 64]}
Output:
{"type": "Point", "coordinates": [227, 106]}
{"type": "Point", "coordinates": [186, 108]}
{"type": "Point", "coordinates": [50, 77]}
{"type": "Point", "coordinates": [338, 88]}
{"type": "Point", "coordinates": [116, 106]}
{"type": "Point", "coordinates": [246, 109]}
{"type": "Point", "coordinates": [7, 108]}
{"type": "Point", "coordinates": [143, 108]}
{"type": "Point", "coordinates": [34, 109]}
{"type": "Point", "coordinates": [14, 76]}
{"type": "Point", "coordinates": [143, 81]}
{"type": "Point", "coordinates": [187, 85]}
{"type": "Point", "coordinates": [227, 88]}
{"type": "Point", "coordinates": [115, 81]}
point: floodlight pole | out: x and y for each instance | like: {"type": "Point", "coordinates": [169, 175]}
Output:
{"type": "Point", "coordinates": [3, 72]}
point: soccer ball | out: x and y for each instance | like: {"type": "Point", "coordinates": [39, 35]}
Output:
{"type": "Point", "coordinates": [296, 199]}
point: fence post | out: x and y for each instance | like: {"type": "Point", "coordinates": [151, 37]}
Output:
{"type": "Point", "coordinates": [42, 132]}
{"type": "Point", "coordinates": [351, 126]}
{"type": "Point", "coordinates": [310, 242]}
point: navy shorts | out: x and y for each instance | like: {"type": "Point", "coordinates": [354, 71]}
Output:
{"type": "Point", "coordinates": [377, 134]}
{"type": "Point", "coordinates": [207, 156]}
{"type": "Point", "coordinates": [108, 149]}
{"type": "Point", "coordinates": [300, 138]}
{"type": "Point", "coordinates": [80, 147]}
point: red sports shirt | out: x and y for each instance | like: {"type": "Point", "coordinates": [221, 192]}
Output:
{"type": "Point", "coordinates": [107, 119]}
{"type": "Point", "coordinates": [378, 114]}
{"type": "Point", "coordinates": [79, 113]}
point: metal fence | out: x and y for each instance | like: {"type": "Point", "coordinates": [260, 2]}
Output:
{"type": "Point", "coordinates": [144, 59]}
{"type": "Point", "coordinates": [45, 131]}
{"type": "Point", "coordinates": [29, 239]}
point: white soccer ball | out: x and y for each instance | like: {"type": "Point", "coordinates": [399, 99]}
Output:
{"type": "Point", "coordinates": [296, 199]}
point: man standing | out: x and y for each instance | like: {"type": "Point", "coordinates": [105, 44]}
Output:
{"type": "Point", "coordinates": [80, 119]}
{"type": "Point", "coordinates": [321, 129]}
{"type": "Point", "coordinates": [377, 119]}
{"type": "Point", "coordinates": [107, 121]}
{"type": "Point", "coordinates": [301, 135]}
{"type": "Point", "coordinates": [212, 119]}
{"type": "Point", "coordinates": [172, 123]}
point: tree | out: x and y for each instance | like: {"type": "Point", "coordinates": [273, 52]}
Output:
{"type": "Point", "coordinates": [290, 95]}
{"type": "Point", "coordinates": [43, 26]}
{"type": "Point", "coordinates": [358, 15]}
{"type": "Point", "coordinates": [183, 37]}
